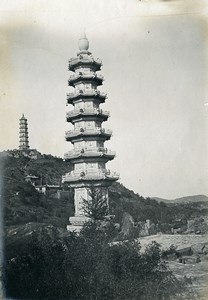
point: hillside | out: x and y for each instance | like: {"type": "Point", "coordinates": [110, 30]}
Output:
{"type": "Point", "coordinates": [23, 204]}
{"type": "Point", "coordinates": [187, 199]}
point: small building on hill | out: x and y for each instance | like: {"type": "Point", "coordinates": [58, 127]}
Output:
{"type": "Point", "coordinates": [34, 180]}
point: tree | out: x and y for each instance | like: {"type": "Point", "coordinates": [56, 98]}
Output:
{"type": "Point", "coordinates": [96, 206]}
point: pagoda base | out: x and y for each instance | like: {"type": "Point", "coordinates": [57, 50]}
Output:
{"type": "Point", "coordinates": [76, 223]}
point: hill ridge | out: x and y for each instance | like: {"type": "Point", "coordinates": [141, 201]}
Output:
{"type": "Point", "coordinates": [185, 199]}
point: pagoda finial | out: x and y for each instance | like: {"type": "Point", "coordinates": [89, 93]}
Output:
{"type": "Point", "coordinates": [83, 35]}
{"type": "Point", "coordinates": [83, 42]}
{"type": "Point", "coordinates": [22, 117]}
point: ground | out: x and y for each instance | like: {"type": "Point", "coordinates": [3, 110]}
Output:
{"type": "Point", "coordinates": [197, 272]}
{"type": "Point", "coordinates": [178, 240]}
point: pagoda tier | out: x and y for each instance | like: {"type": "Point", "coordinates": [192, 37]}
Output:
{"type": "Point", "coordinates": [23, 133]}
{"type": "Point", "coordinates": [89, 155]}
{"type": "Point", "coordinates": [86, 61]}
{"type": "Point", "coordinates": [86, 95]}
{"type": "Point", "coordinates": [94, 114]}
{"type": "Point", "coordinates": [24, 139]}
{"type": "Point", "coordinates": [83, 154]}
{"type": "Point", "coordinates": [87, 176]}
{"type": "Point", "coordinates": [22, 130]}
{"type": "Point", "coordinates": [76, 134]}
{"type": "Point", "coordinates": [84, 78]}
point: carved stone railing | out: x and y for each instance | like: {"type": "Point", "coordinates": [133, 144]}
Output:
{"type": "Point", "coordinates": [82, 75]}
{"type": "Point", "coordinates": [86, 131]}
{"type": "Point", "coordinates": [89, 93]}
{"type": "Point", "coordinates": [87, 152]}
{"type": "Point", "coordinates": [85, 111]}
{"type": "Point", "coordinates": [90, 175]}
{"type": "Point", "coordinates": [84, 60]}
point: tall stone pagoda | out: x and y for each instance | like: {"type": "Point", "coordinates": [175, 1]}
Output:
{"type": "Point", "coordinates": [89, 155]}
{"type": "Point", "coordinates": [23, 134]}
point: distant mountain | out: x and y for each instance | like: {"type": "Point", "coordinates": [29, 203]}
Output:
{"type": "Point", "coordinates": [187, 199]}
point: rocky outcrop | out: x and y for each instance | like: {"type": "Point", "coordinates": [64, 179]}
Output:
{"type": "Point", "coordinates": [127, 227]}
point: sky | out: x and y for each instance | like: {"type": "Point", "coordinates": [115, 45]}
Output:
{"type": "Point", "coordinates": [154, 57]}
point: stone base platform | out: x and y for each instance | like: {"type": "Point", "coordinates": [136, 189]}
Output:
{"type": "Point", "coordinates": [73, 228]}
{"type": "Point", "coordinates": [76, 223]}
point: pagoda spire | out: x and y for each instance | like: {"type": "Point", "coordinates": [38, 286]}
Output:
{"type": "Point", "coordinates": [23, 134]}
{"type": "Point", "coordinates": [89, 155]}
{"type": "Point", "coordinates": [83, 43]}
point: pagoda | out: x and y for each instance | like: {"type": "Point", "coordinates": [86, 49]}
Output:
{"type": "Point", "coordinates": [23, 134]}
{"type": "Point", "coordinates": [89, 155]}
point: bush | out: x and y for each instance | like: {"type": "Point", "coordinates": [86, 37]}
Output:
{"type": "Point", "coordinates": [50, 266]}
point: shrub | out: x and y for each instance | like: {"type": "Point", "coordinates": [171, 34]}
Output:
{"type": "Point", "coordinates": [53, 266]}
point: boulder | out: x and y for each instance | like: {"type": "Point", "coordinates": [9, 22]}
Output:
{"type": "Point", "coordinates": [127, 226]}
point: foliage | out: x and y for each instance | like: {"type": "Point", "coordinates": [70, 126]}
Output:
{"type": "Point", "coordinates": [22, 203]}
{"type": "Point", "coordinates": [87, 267]}
{"type": "Point", "coordinates": [38, 270]}
{"type": "Point", "coordinates": [140, 208]}
{"type": "Point", "coordinates": [166, 215]}
{"type": "Point", "coordinates": [96, 205]}
{"type": "Point", "coordinates": [171, 251]}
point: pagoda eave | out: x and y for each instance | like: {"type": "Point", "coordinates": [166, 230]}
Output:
{"type": "Point", "coordinates": [88, 138]}
{"type": "Point", "coordinates": [87, 184]}
{"type": "Point", "coordinates": [72, 82]}
{"type": "Point", "coordinates": [86, 117]}
{"type": "Point", "coordinates": [81, 135]}
{"type": "Point", "coordinates": [72, 97]}
{"type": "Point", "coordinates": [97, 118]}
{"type": "Point", "coordinates": [79, 182]}
{"type": "Point", "coordinates": [87, 63]}
{"type": "Point", "coordinates": [101, 157]}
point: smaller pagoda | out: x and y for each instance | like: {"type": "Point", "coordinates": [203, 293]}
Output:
{"type": "Point", "coordinates": [23, 134]}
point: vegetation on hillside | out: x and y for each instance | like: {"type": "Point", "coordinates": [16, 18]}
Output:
{"type": "Point", "coordinates": [43, 261]}
{"type": "Point", "coordinates": [166, 216]}
{"type": "Point", "coordinates": [54, 265]}
{"type": "Point", "coordinates": [23, 204]}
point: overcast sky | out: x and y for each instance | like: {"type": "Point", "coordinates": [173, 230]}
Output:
{"type": "Point", "coordinates": [154, 64]}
